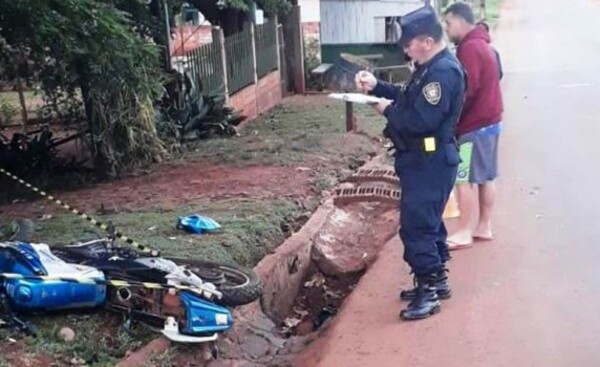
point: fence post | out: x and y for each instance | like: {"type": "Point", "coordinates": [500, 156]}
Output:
{"type": "Point", "coordinates": [298, 47]}
{"type": "Point", "coordinates": [276, 30]}
{"type": "Point", "coordinates": [253, 37]}
{"type": "Point", "coordinates": [219, 37]}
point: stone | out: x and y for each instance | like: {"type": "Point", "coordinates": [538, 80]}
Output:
{"type": "Point", "coordinates": [66, 334]}
{"type": "Point", "coordinates": [351, 238]}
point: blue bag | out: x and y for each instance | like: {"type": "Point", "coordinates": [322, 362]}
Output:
{"type": "Point", "coordinates": [197, 224]}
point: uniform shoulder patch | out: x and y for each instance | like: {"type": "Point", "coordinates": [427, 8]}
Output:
{"type": "Point", "coordinates": [433, 92]}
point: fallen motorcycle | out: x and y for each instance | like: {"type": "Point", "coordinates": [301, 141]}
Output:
{"type": "Point", "coordinates": [179, 298]}
{"type": "Point", "coordinates": [237, 286]}
{"type": "Point", "coordinates": [185, 297]}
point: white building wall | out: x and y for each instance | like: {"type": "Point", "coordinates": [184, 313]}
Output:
{"type": "Point", "coordinates": [360, 21]}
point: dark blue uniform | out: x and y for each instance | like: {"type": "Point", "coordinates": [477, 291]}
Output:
{"type": "Point", "coordinates": [421, 124]}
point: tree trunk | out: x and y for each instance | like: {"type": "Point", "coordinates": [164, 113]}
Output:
{"type": "Point", "coordinates": [23, 105]}
{"type": "Point", "coordinates": [102, 164]}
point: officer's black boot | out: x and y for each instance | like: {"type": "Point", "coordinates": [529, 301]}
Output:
{"type": "Point", "coordinates": [426, 302]}
{"type": "Point", "coordinates": [442, 286]}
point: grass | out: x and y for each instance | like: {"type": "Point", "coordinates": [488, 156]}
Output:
{"type": "Point", "coordinates": [493, 12]}
{"type": "Point", "coordinates": [293, 133]}
{"type": "Point", "coordinates": [99, 341]}
{"type": "Point", "coordinates": [13, 97]}
{"type": "Point", "coordinates": [10, 106]}
{"type": "Point", "coordinates": [250, 229]}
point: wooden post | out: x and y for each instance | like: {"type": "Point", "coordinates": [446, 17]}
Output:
{"type": "Point", "coordinates": [276, 30]}
{"type": "Point", "coordinates": [350, 120]}
{"type": "Point", "coordinates": [298, 47]}
{"type": "Point", "coordinates": [219, 37]}
{"type": "Point", "coordinates": [23, 105]}
{"type": "Point", "coordinates": [168, 61]}
{"type": "Point", "coordinates": [253, 33]}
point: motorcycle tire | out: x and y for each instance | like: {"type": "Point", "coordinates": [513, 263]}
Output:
{"type": "Point", "coordinates": [240, 286]}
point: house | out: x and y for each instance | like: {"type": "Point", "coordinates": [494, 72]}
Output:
{"type": "Point", "coordinates": [310, 18]}
{"type": "Point", "coordinates": [363, 27]}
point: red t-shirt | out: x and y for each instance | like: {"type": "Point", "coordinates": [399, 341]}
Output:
{"type": "Point", "coordinates": [483, 103]}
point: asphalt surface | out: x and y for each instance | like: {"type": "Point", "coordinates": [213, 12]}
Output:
{"type": "Point", "coordinates": [532, 296]}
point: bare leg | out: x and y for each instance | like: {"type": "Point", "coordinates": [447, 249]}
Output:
{"type": "Point", "coordinates": [468, 206]}
{"type": "Point", "coordinates": [487, 197]}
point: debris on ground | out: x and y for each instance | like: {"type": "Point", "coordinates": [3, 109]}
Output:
{"type": "Point", "coordinates": [197, 224]}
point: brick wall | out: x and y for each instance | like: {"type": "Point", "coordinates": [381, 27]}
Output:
{"type": "Point", "coordinates": [256, 99]}
{"type": "Point", "coordinates": [311, 30]}
{"type": "Point", "coordinates": [186, 38]}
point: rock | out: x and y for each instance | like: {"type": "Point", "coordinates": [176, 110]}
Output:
{"type": "Point", "coordinates": [66, 334]}
{"type": "Point", "coordinates": [350, 239]}
{"type": "Point", "coordinates": [77, 361]}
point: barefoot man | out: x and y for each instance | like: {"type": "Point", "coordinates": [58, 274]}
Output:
{"type": "Point", "coordinates": [478, 129]}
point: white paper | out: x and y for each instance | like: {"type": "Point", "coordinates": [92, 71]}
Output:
{"type": "Point", "coordinates": [355, 98]}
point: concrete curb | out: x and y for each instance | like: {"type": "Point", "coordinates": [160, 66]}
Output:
{"type": "Point", "coordinates": [142, 356]}
{"type": "Point", "coordinates": [281, 272]}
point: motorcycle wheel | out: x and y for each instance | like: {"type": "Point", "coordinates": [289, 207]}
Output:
{"type": "Point", "coordinates": [238, 285]}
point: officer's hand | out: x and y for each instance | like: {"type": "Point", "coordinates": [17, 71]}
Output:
{"type": "Point", "coordinates": [382, 105]}
{"type": "Point", "coordinates": [365, 81]}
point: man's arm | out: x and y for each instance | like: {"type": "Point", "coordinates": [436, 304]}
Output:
{"type": "Point", "coordinates": [500, 71]}
{"type": "Point", "coordinates": [468, 55]}
{"type": "Point", "coordinates": [430, 108]}
{"type": "Point", "coordinates": [385, 90]}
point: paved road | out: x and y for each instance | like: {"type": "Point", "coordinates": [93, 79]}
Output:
{"type": "Point", "coordinates": [532, 297]}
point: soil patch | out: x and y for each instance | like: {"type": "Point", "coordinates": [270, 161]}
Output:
{"type": "Point", "coordinates": [176, 185]}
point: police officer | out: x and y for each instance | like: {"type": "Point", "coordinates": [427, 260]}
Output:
{"type": "Point", "coordinates": [421, 119]}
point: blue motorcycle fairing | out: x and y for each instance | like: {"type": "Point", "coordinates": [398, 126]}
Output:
{"type": "Point", "coordinates": [86, 289]}
{"type": "Point", "coordinates": [204, 317]}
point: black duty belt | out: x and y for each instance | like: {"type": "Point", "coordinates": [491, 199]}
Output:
{"type": "Point", "coordinates": [428, 144]}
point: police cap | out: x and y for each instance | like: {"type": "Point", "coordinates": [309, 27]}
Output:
{"type": "Point", "coordinates": [420, 22]}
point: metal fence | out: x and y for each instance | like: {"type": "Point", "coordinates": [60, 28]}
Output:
{"type": "Point", "coordinates": [240, 63]}
{"type": "Point", "coordinates": [205, 65]}
{"type": "Point", "coordinates": [266, 48]}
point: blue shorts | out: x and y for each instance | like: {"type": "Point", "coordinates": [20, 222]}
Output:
{"type": "Point", "coordinates": [479, 155]}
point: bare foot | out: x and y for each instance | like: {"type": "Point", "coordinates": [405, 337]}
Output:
{"type": "Point", "coordinates": [484, 233]}
{"type": "Point", "coordinates": [459, 240]}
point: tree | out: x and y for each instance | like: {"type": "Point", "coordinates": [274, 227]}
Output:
{"type": "Point", "coordinates": [89, 47]}
{"type": "Point", "coordinates": [231, 14]}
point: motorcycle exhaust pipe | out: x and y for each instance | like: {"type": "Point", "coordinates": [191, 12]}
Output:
{"type": "Point", "coordinates": [124, 294]}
